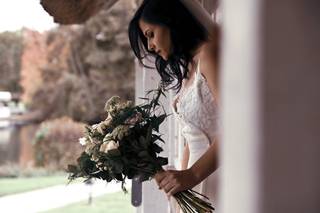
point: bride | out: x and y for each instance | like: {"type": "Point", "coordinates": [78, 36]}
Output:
{"type": "Point", "coordinates": [186, 56]}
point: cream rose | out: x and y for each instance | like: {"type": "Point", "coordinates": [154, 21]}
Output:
{"type": "Point", "coordinates": [107, 146]}
{"type": "Point", "coordinates": [83, 141]}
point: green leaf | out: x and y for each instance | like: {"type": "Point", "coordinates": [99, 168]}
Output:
{"type": "Point", "coordinates": [156, 121]}
{"type": "Point", "coordinates": [156, 148]}
{"type": "Point", "coordinates": [119, 177]}
{"type": "Point", "coordinates": [135, 145]}
{"type": "Point", "coordinates": [118, 167]}
{"type": "Point", "coordinates": [143, 154]}
{"type": "Point", "coordinates": [162, 93]}
{"type": "Point", "coordinates": [162, 161]}
{"type": "Point", "coordinates": [157, 137]}
{"type": "Point", "coordinates": [161, 118]}
{"type": "Point", "coordinates": [143, 142]}
{"type": "Point", "coordinates": [149, 135]}
{"type": "Point", "coordinates": [114, 153]}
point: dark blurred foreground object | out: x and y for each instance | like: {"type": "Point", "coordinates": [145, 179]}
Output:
{"type": "Point", "coordinates": [74, 11]}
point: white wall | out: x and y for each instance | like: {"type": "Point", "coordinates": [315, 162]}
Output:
{"type": "Point", "coordinates": [241, 106]}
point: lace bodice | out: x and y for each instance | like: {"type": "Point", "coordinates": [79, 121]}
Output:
{"type": "Point", "coordinates": [196, 106]}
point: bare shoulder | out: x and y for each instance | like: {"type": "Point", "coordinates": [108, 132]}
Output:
{"type": "Point", "coordinates": [208, 58]}
{"type": "Point", "coordinates": [209, 67]}
{"type": "Point", "coordinates": [208, 49]}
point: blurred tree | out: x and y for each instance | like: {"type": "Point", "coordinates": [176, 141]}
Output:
{"type": "Point", "coordinates": [56, 143]}
{"type": "Point", "coordinates": [10, 61]}
{"type": "Point", "coordinates": [33, 58]}
{"type": "Point", "coordinates": [77, 68]}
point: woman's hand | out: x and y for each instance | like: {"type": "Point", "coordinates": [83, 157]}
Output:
{"type": "Point", "coordinates": [173, 181]}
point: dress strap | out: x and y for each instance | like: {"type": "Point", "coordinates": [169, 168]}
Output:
{"type": "Point", "coordinates": [198, 67]}
{"type": "Point", "coordinates": [199, 75]}
{"type": "Point", "coordinates": [198, 81]}
{"type": "Point", "coordinates": [198, 72]}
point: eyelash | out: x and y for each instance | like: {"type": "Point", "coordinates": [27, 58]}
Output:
{"type": "Point", "coordinates": [150, 34]}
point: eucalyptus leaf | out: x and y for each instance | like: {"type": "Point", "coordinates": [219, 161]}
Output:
{"type": "Point", "coordinates": [156, 148]}
{"type": "Point", "coordinates": [143, 142]}
{"type": "Point", "coordinates": [114, 153]}
{"type": "Point", "coordinates": [143, 154]}
{"type": "Point", "coordinates": [162, 161]}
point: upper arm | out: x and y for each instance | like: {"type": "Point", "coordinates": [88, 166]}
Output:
{"type": "Point", "coordinates": [209, 69]}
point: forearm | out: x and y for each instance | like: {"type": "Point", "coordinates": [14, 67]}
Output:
{"type": "Point", "coordinates": [207, 163]}
{"type": "Point", "coordinates": [185, 157]}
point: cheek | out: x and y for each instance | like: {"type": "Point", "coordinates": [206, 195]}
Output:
{"type": "Point", "coordinates": [168, 45]}
{"type": "Point", "coordinates": [162, 42]}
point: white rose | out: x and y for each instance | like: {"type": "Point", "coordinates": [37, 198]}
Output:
{"type": "Point", "coordinates": [106, 123]}
{"type": "Point", "coordinates": [83, 141]}
{"type": "Point", "coordinates": [107, 137]}
{"type": "Point", "coordinates": [107, 146]}
{"type": "Point", "coordinates": [95, 126]}
{"type": "Point", "coordinates": [100, 129]}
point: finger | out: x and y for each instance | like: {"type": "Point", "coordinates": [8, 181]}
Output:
{"type": "Point", "coordinates": [157, 183]}
{"type": "Point", "coordinates": [159, 177]}
{"type": "Point", "coordinates": [165, 181]}
{"type": "Point", "coordinates": [160, 174]}
{"type": "Point", "coordinates": [170, 177]}
{"type": "Point", "coordinates": [173, 190]}
{"type": "Point", "coordinates": [168, 187]}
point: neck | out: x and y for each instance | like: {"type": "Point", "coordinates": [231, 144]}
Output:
{"type": "Point", "coordinates": [196, 54]}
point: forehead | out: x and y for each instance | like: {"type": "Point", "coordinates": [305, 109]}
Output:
{"type": "Point", "coordinates": [145, 25]}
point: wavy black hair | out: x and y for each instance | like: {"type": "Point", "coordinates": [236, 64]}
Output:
{"type": "Point", "coordinates": [186, 33]}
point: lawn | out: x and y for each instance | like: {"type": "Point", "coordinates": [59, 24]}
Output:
{"type": "Point", "coordinates": [16, 185]}
{"type": "Point", "coordinates": [111, 203]}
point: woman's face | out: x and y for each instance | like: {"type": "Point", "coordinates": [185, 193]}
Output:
{"type": "Point", "coordinates": [158, 38]}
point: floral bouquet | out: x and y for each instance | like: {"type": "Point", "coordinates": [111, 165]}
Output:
{"type": "Point", "coordinates": [125, 145]}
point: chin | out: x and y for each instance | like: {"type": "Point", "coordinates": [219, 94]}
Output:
{"type": "Point", "coordinates": [164, 57]}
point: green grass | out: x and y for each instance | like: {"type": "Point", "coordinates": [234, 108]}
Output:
{"type": "Point", "coordinates": [111, 203]}
{"type": "Point", "coordinates": [16, 185]}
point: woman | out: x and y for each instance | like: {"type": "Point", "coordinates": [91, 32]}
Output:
{"type": "Point", "coordinates": [186, 59]}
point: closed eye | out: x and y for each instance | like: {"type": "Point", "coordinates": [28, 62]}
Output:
{"type": "Point", "coordinates": [149, 34]}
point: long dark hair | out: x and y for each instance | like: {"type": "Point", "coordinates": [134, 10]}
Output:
{"type": "Point", "coordinates": [186, 35]}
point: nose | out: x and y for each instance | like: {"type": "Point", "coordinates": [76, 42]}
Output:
{"type": "Point", "coordinates": [151, 46]}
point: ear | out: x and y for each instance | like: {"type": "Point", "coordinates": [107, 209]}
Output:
{"type": "Point", "coordinates": [74, 11]}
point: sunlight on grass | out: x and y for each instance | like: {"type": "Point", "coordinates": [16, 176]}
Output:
{"type": "Point", "coordinates": [110, 203]}
{"type": "Point", "coordinates": [17, 185]}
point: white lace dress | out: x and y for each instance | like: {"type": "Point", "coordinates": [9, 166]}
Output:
{"type": "Point", "coordinates": [197, 111]}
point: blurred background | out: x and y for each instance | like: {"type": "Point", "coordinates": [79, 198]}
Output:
{"type": "Point", "coordinates": [54, 80]}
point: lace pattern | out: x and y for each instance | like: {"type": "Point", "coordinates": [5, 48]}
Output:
{"type": "Point", "coordinates": [196, 106]}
